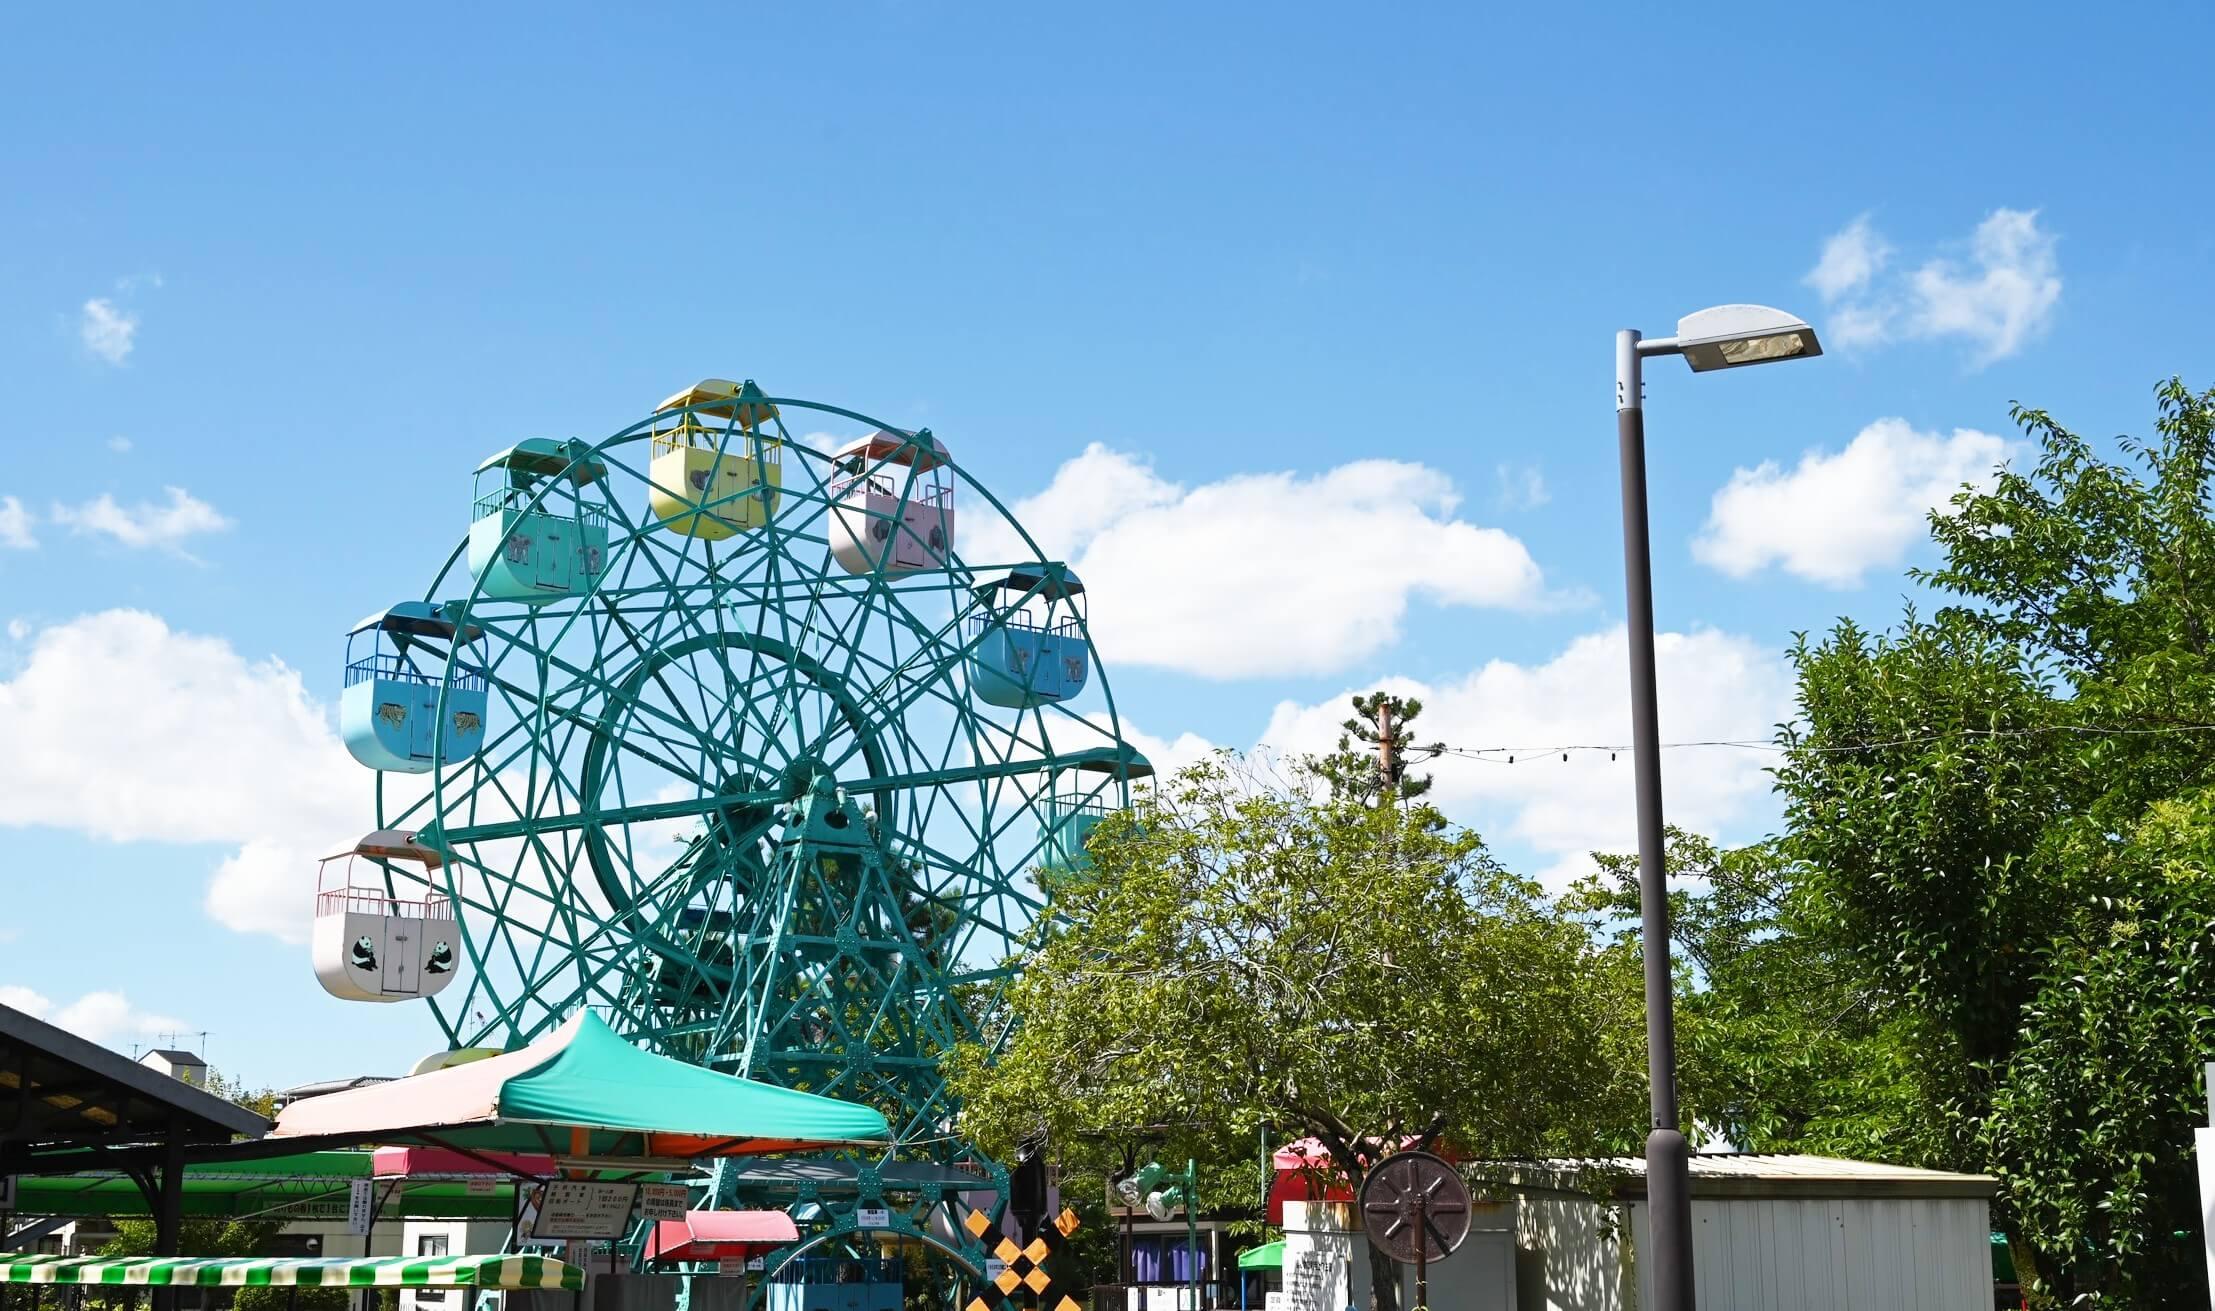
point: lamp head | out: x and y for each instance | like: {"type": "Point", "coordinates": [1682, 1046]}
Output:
{"type": "Point", "coordinates": [1732, 336]}
{"type": "Point", "coordinates": [1134, 1187]}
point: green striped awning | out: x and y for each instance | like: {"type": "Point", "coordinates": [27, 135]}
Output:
{"type": "Point", "coordinates": [309, 1272]}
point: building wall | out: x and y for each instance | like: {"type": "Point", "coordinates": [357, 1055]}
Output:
{"type": "Point", "coordinates": [1327, 1269]}
{"type": "Point", "coordinates": [460, 1237]}
{"type": "Point", "coordinates": [1317, 1264]}
{"type": "Point", "coordinates": [1903, 1254]}
{"type": "Point", "coordinates": [1570, 1255]}
{"type": "Point", "coordinates": [1913, 1254]}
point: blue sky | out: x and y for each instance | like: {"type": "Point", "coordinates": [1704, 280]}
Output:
{"type": "Point", "coordinates": [1175, 278]}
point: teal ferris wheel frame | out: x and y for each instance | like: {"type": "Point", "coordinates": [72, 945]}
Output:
{"type": "Point", "coordinates": [745, 803]}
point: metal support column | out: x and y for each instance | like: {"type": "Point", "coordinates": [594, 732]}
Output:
{"type": "Point", "coordinates": [169, 1207]}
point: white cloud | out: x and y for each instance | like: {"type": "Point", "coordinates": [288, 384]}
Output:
{"type": "Point", "coordinates": [1167, 755]}
{"type": "Point", "coordinates": [2002, 298]}
{"type": "Point", "coordinates": [106, 1016]}
{"type": "Point", "coordinates": [101, 1017]}
{"type": "Point", "coordinates": [1850, 259]}
{"type": "Point", "coordinates": [167, 526]}
{"type": "Point", "coordinates": [1854, 326]}
{"type": "Point", "coordinates": [20, 998]}
{"type": "Point", "coordinates": [2007, 298]}
{"type": "Point", "coordinates": [120, 445]}
{"type": "Point", "coordinates": [123, 729]}
{"type": "Point", "coordinates": [107, 331]}
{"type": "Point", "coordinates": [1267, 573]}
{"type": "Point", "coordinates": [15, 526]}
{"type": "Point", "coordinates": [1713, 685]}
{"type": "Point", "coordinates": [1839, 514]}
{"type": "Point", "coordinates": [1522, 486]}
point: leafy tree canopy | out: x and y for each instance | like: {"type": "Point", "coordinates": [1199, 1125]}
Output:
{"type": "Point", "coordinates": [1248, 955]}
{"type": "Point", "coordinates": [2004, 814]}
{"type": "Point", "coordinates": [1784, 1042]}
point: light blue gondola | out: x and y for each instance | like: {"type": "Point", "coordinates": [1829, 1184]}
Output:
{"type": "Point", "coordinates": [395, 669]}
{"type": "Point", "coordinates": [1075, 803]}
{"type": "Point", "coordinates": [1030, 644]}
{"type": "Point", "coordinates": [542, 553]}
{"type": "Point", "coordinates": [1070, 819]}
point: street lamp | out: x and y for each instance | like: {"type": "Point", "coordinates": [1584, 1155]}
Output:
{"type": "Point", "coordinates": [1725, 337]}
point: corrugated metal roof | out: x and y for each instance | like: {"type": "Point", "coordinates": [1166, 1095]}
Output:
{"type": "Point", "coordinates": [1747, 1174]}
{"type": "Point", "coordinates": [1754, 1165]}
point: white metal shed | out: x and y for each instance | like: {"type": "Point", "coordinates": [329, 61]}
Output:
{"type": "Point", "coordinates": [1770, 1233]}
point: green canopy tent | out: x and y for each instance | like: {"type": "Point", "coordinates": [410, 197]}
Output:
{"type": "Point", "coordinates": [1268, 1256]}
{"type": "Point", "coordinates": [513, 1272]}
{"type": "Point", "coordinates": [585, 1095]}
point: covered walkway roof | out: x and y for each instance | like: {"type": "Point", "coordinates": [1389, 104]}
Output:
{"type": "Point", "coordinates": [309, 1185]}
{"type": "Point", "coordinates": [66, 1103]}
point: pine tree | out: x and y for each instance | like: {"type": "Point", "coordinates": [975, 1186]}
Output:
{"type": "Point", "coordinates": [1376, 770]}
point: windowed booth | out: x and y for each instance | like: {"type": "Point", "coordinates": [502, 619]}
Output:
{"type": "Point", "coordinates": [1030, 646]}
{"type": "Point", "coordinates": [384, 930]}
{"type": "Point", "coordinates": [1080, 796]}
{"type": "Point", "coordinates": [892, 503]}
{"type": "Point", "coordinates": [390, 714]}
{"type": "Point", "coordinates": [714, 473]}
{"type": "Point", "coordinates": [533, 536]}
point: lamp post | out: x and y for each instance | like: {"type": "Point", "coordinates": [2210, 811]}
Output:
{"type": "Point", "coordinates": [1725, 337]}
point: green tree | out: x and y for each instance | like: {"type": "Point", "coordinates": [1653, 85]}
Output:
{"type": "Point", "coordinates": [269, 1297]}
{"type": "Point", "coordinates": [1377, 769]}
{"type": "Point", "coordinates": [1245, 955]}
{"type": "Point", "coordinates": [195, 1237]}
{"type": "Point", "coordinates": [2004, 814]}
{"type": "Point", "coordinates": [1784, 1042]}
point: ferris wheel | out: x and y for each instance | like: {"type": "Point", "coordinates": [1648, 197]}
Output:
{"type": "Point", "coordinates": [712, 729]}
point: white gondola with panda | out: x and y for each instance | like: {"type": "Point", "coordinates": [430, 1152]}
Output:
{"type": "Point", "coordinates": [383, 931]}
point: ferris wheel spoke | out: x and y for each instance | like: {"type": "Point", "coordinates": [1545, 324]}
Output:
{"type": "Point", "coordinates": [699, 734]}
{"type": "Point", "coordinates": [644, 812]}
{"type": "Point", "coordinates": [579, 679]}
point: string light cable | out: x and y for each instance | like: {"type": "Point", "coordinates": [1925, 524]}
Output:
{"type": "Point", "coordinates": [1512, 754]}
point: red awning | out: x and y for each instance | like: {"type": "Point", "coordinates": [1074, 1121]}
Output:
{"type": "Point", "coordinates": [1304, 1173]}
{"type": "Point", "coordinates": [720, 1235]}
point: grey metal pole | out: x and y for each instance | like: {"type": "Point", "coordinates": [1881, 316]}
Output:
{"type": "Point", "coordinates": [1668, 1165]}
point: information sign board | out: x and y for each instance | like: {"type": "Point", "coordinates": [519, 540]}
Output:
{"type": "Point", "coordinates": [662, 1201]}
{"type": "Point", "coordinates": [361, 1206]}
{"type": "Point", "coordinates": [583, 1208]}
